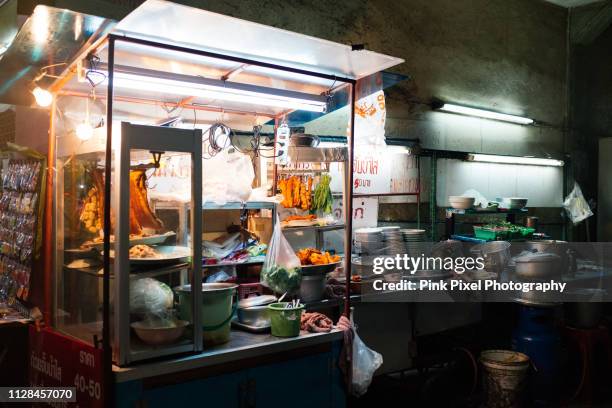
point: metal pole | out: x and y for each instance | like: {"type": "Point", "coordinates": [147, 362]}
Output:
{"type": "Point", "coordinates": [433, 208]}
{"type": "Point", "coordinates": [418, 163]}
{"type": "Point", "coordinates": [348, 206]}
{"type": "Point", "coordinates": [106, 340]}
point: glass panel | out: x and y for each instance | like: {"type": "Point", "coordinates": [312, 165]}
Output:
{"type": "Point", "coordinates": [160, 260]}
{"type": "Point", "coordinates": [80, 140]}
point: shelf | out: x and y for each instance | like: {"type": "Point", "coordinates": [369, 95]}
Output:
{"type": "Point", "coordinates": [321, 228]}
{"type": "Point", "coordinates": [472, 239]}
{"type": "Point", "coordinates": [237, 205]}
{"type": "Point", "coordinates": [148, 273]}
{"type": "Point", "coordinates": [472, 211]}
{"type": "Point", "coordinates": [252, 261]}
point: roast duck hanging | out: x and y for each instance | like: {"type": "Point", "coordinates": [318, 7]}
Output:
{"type": "Point", "coordinates": [141, 217]}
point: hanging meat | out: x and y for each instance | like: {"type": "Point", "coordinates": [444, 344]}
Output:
{"type": "Point", "coordinates": [141, 215]}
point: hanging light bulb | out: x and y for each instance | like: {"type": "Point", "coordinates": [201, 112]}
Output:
{"type": "Point", "coordinates": [84, 131]}
{"type": "Point", "coordinates": [42, 96]}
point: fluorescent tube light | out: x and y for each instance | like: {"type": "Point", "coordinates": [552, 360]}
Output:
{"type": "Point", "coordinates": [482, 113]}
{"type": "Point", "coordinates": [534, 161]}
{"type": "Point", "coordinates": [187, 85]}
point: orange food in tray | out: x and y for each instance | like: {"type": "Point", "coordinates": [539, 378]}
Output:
{"type": "Point", "coordinates": [312, 256]}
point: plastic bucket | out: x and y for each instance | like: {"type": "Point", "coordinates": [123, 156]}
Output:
{"type": "Point", "coordinates": [217, 310]}
{"type": "Point", "coordinates": [505, 373]}
{"type": "Point", "coordinates": [285, 322]}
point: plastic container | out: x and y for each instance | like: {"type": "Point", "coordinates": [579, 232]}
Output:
{"type": "Point", "coordinates": [490, 234]}
{"type": "Point", "coordinates": [505, 374]}
{"type": "Point", "coordinates": [285, 322]}
{"type": "Point", "coordinates": [217, 310]}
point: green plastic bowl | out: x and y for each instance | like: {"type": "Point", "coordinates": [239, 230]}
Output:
{"type": "Point", "coordinates": [285, 322]}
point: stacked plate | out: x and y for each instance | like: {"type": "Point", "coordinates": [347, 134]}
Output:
{"type": "Point", "coordinates": [415, 241]}
{"type": "Point", "coordinates": [369, 241]}
{"type": "Point", "coordinates": [394, 240]}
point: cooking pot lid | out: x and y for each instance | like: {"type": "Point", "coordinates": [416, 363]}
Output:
{"type": "Point", "coordinates": [257, 301]}
{"type": "Point", "coordinates": [538, 257]}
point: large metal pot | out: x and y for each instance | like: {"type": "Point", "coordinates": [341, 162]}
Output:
{"type": "Point", "coordinates": [538, 267]}
{"type": "Point", "coordinates": [496, 255]}
{"type": "Point", "coordinates": [312, 287]}
{"type": "Point", "coordinates": [560, 248]}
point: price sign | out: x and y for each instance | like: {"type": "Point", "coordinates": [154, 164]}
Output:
{"type": "Point", "coordinates": [56, 360]}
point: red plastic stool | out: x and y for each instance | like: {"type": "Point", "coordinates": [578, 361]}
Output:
{"type": "Point", "coordinates": [587, 341]}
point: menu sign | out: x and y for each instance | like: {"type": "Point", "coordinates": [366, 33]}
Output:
{"type": "Point", "coordinates": [59, 361]}
{"type": "Point", "coordinates": [371, 173]}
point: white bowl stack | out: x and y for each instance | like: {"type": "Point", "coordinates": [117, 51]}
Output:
{"type": "Point", "coordinates": [394, 240]}
{"type": "Point", "coordinates": [369, 241]}
{"type": "Point", "coordinates": [415, 241]}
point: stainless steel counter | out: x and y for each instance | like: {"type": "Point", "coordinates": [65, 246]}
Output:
{"type": "Point", "coordinates": [241, 346]}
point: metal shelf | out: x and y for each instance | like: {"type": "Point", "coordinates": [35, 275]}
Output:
{"type": "Point", "coordinates": [472, 211]}
{"type": "Point", "coordinates": [148, 273]}
{"type": "Point", "coordinates": [253, 261]}
{"type": "Point", "coordinates": [321, 228]}
{"type": "Point", "coordinates": [238, 205]}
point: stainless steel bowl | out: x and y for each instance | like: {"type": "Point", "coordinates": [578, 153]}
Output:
{"type": "Point", "coordinates": [256, 316]}
{"type": "Point", "coordinates": [304, 139]}
{"type": "Point", "coordinates": [154, 335]}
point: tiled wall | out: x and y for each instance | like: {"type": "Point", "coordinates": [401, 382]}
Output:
{"type": "Point", "coordinates": [542, 185]}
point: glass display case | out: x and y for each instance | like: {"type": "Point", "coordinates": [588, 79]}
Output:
{"type": "Point", "coordinates": [149, 259]}
{"type": "Point", "coordinates": [149, 256]}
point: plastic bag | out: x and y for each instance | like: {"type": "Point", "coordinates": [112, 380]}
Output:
{"type": "Point", "coordinates": [281, 270]}
{"type": "Point", "coordinates": [365, 362]}
{"type": "Point", "coordinates": [228, 176]}
{"type": "Point", "coordinates": [150, 297]}
{"type": "Point", "coordinates": [576, 206]}
{"type": "Point", "coordinates": [479, 199]}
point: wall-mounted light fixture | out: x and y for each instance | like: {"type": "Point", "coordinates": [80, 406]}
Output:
{"type": "Point", "coordinates": [42, 96]}
{"type": "Point", "coordinates": [534, 161]}
{"type": "Point", "coordinates": [480, 113]}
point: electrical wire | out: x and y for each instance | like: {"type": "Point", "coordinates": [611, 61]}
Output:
{"type": "Point", "coordinates": [219, 138]}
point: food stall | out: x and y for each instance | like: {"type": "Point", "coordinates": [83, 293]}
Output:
{"type": "Point", "coordinates": [179, 158]}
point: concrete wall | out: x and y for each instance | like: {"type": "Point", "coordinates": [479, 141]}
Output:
{"type": "Point", "coordinates": [592, 102]}
{"type": "Point", "coordinates": [503, 55]}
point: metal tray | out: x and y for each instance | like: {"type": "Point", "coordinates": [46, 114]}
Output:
{"type": "Point", "coordinates": [252, 329]}
{"type": "Point", "coordinates": [167, 254]}
{"type": "Point", "coordinates": [150, 240]}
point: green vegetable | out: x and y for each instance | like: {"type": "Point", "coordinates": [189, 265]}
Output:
{"type": "Point", "coordinates": [281, 279]}
{"type": "Point", "coordinates": [322, 195]}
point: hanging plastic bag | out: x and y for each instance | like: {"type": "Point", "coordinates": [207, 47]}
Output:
{"type": "Point", "coordinates": [281, 270]}
{"type": "Point", "coordinates": [365, 363]}
{"type": "Point", "coordinates": [576, 205]}
{"type": "Point", "coordinates": [228, 176]}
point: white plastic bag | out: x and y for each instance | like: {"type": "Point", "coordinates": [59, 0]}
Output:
{"type": "Point", "coordinates": [365, 362]}
{"type": "Point", "coordinates": [576, 205]}
{"type": "Point", "coordinates": [281, 270]}
{"type": "Point", "coordinates": [228, 176]}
